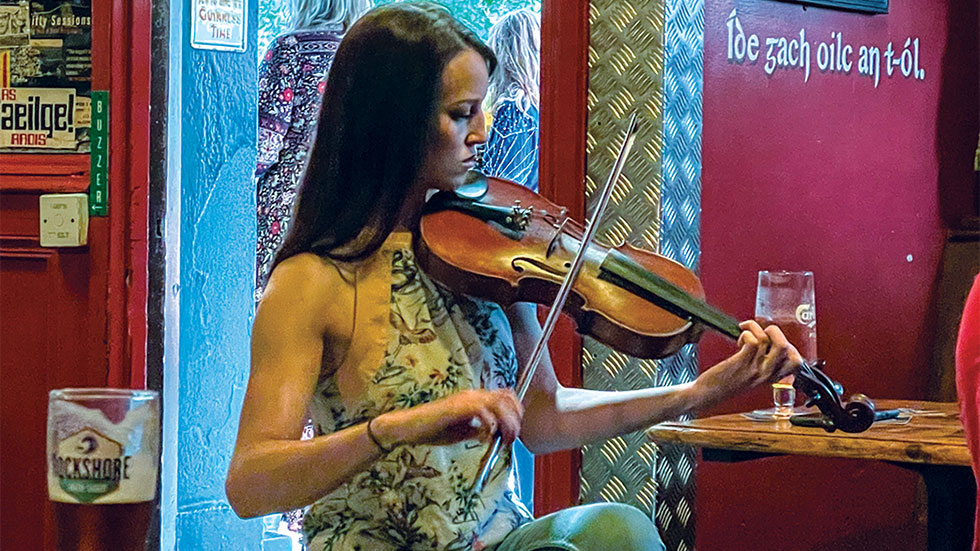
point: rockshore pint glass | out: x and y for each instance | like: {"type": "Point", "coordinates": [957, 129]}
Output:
{"type": "Point", "coordinates": [103, 457]}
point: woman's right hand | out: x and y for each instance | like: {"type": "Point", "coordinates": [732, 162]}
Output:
{"type": "Point", "coordinates": [466, 415]}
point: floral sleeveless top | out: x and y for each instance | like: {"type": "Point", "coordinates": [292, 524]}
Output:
{"type": "Point", "coordinates": [414, 344]}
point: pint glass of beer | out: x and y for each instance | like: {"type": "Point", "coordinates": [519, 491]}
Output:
{"type": "Point", "coordinates": [103, 457]}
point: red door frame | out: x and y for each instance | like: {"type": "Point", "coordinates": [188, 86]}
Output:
{"type": "Point", "coordinates": [564, 90]}
{"type": "Point", "coordinates": [121, 42]}
{"type": "Point", "coordinates": [95, 331]}
{"type": "Point", "coordinates": [120, 64]}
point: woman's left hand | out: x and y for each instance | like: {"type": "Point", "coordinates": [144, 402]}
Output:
{"type": "Point", "coordinates": [764, 355]}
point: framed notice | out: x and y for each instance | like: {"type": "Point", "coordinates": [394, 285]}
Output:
{"type": "Point", "coordinates": [218, 25]}
{"type": "Point", "coordinates": [870, 6]}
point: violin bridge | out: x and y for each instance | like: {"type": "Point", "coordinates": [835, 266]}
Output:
{"type": "Point", "coordinates": [553, 244]}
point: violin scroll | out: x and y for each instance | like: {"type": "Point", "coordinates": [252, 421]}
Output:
{"type": "Point", "coordinates": [855, 415]}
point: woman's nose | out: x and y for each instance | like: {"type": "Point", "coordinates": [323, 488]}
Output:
{"type": "Point", "coordinates": [478, 130]}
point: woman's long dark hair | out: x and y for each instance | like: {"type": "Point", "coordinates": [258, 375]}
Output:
{"type": "Point", "coordinates": [378, 112]}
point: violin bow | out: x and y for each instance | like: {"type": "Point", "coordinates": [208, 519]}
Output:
{"type": "Point", "coordinates": [490, 459]}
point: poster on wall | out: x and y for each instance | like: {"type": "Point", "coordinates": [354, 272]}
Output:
{"type": "Point", "coordinates": [219, 25]}
{"type": "Point", "coordinates": [41, 118]}
{"type": "Point", "coordinates": [45, 75]}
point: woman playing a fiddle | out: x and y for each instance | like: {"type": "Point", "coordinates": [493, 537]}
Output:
{"type": "Point", "coordinates": [407, 382]}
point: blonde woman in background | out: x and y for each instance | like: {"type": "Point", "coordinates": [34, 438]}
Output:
{"type": "Point", "coordinates": [511, 151]}
{"type": "Point", "coordinates": [513, 94]}
{"type": "Point", "coordinates": [292, 77]}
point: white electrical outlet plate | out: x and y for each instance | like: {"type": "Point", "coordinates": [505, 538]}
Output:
{"type": "Point", "coordinates": [64, 219]}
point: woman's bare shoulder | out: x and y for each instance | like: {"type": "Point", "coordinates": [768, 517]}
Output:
{"type": "Point", "coordinates": [314, 269]}
{"type": "Point", "coordinates": [310, 287]}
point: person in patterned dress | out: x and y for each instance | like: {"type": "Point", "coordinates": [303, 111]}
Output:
{"type": "Point", "coordinates": [292, 77]}
{"type": "Point", "coordinates": [511, 151]}
{"type": "Point", "coordinates": [407, 381]}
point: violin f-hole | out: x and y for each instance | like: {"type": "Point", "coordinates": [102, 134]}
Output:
{"type": "Point", "coordinates": [523, 264]}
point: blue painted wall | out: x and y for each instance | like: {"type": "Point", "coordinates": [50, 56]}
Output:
{"type": "Point", "coordinates": [210, 266]}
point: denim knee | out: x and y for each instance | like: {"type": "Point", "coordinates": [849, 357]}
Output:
{"type": "Point", "coordinates": [614, 526]}
{"type": "Point", "coordinates": [595, 527]}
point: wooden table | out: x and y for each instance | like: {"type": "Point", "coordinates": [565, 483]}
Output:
{"type": "Point", "coordinates": [933, 445]}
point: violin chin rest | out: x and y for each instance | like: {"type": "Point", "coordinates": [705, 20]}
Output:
{"type": "Point", "coordinates": [474, 186]}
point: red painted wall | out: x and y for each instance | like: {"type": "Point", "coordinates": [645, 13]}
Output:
{"type": "Point", "coordinates": [73, 317]}
{"type": "Point", "coordinates": [855, 183]}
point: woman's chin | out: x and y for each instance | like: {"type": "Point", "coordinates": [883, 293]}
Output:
{"type": "Point", "coordinates": [454, 183]}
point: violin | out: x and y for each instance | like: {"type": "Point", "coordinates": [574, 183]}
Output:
{"type": "Point", "coordinates": [500, 241]}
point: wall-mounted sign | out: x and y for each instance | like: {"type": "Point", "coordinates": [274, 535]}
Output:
{"type": "Point", "coordinates": [219, 25]}
{"type": "Point", "coordinates": [826, 54]}
{"type": "Point", "coordinates": [42, 118]}
{"type": "Point", "coordinates": [98, 189]}
{"type": "Point", "coordinates": [45, 74]}
{"type": "Point", "coordinates": [870, 6]}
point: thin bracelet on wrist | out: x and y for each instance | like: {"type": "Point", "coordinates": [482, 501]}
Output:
{"type": "Point", "coordinates": [374, 438]}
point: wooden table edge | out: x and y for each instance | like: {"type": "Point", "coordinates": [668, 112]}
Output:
{"type": "Point", "coordinates": [794, 444]}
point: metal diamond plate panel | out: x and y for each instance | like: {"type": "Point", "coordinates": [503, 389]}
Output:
{"type": "Point", "coordinates": [646, 57]}
{"type": "Point", "coordinates": [681, 240]}
{"type": "Point", "coordinates": [626, 55]}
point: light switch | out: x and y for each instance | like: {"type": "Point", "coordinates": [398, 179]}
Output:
{"type": "Point", "coordinates": [64, 219]}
